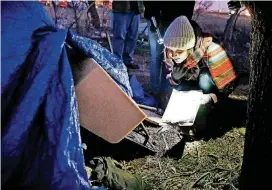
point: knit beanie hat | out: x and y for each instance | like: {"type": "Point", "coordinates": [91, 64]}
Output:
{"type": "Point", "coordinates": [180, 34]}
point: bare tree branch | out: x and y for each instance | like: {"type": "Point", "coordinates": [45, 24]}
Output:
{"type": "Point", "coordinates": [201, 6]}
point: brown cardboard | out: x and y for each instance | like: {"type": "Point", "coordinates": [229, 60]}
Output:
{"type": "Point", "coordinates": [104, 109]}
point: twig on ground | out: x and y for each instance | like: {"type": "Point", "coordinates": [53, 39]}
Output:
{"type": "Point", "coordinates": [233, 187]}
{"type": "Point", "coordinates": [200, 178]}
{"type": "Point", "coordinates": [223, 169]}
{"type": "Point", "coordinates": [183, 157]}
{"type": "Point", "coordinates": [198, 155]}
{"type": "Point", "coordinates": [160, 165]}
{"type": "Point", "coordinates": [212, 155]}
{"type": "Point", "coordinates": [177, 175]}
{"type": "Point", "coordinates": [220, 184]}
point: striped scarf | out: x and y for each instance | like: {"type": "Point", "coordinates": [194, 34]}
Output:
{"type": "Point", "coordinates": [220, 66]}
{"type": "Point", "coordinates": [215, 57]}
{"type": "Point", "coordinates": [218, 62]}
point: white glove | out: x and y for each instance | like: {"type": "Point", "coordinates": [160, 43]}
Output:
{"type": "Point", "coordinates": [207, 98]}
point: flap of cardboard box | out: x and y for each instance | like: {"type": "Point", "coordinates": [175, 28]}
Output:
{"type": "Point", "coordinates": [104, 109]}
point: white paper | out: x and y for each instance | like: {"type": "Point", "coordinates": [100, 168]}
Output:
{"type": "Point", "coordinates": [182, 107]}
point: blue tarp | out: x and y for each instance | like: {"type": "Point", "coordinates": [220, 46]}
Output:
{"type": "Point", "coordinates": [139, 95]}
{"type": "Point", "coordinates": [108, 61]}
{"type": "Point", "coordinates": [41, 145]}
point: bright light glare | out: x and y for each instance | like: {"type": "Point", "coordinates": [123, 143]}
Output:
{"type": "Point", "coordinates": [232, 12]}
{"type": "Point", "coordinates": [182, 107]}
{"type": "Point", "coordinates": [247, 13]}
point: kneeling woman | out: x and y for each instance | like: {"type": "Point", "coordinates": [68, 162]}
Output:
{"type": "Point", "coordinates": [194, 62]}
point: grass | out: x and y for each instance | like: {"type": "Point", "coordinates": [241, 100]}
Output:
{"type": "Point", "coordinates": [213, 164]}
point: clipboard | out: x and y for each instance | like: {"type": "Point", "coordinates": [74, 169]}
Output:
{"type": "Point", "coordinates": [182, 108]}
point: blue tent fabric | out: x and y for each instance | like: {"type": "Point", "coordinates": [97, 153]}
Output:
{"type": "Point", "coordinates": [138, 91]}
{"type": "Point", "coordinates": [40, 145]}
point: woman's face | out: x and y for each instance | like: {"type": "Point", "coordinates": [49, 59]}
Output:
{"type": "Point", "coordinates": [177, 55]}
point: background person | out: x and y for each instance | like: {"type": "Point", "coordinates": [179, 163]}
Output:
{"type": "Point", "coordinates": [164, 12]}
{"type": "Point", "coordinates": [126, 19]}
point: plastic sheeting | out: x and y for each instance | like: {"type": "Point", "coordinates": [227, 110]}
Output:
{"type": "Point", "coordinates": [41, 146]}
{"type": "Point", "coordinates": [40, 126]}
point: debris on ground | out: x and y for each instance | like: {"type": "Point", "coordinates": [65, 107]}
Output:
{"type": "Point", "coordinates": [214, 164]}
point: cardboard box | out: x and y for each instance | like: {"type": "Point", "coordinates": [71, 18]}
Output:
{"type": "Point", "coordinates": [104, 109]}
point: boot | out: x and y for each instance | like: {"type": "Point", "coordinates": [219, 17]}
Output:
{"type": "Point", "coordinates": [206, 107]}
{"type": "Point", "coordinates": [110, 174]}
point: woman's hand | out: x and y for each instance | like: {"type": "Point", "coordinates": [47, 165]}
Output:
{"type": "Point", "coordinates": [168, 63]}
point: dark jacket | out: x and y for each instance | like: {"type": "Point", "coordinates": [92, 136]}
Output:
{"type": "Point", "coordinates": [127, 6]}
{"type": "Point", "coordinates": [167, 11]}
{"type": "Point", "coordinates": [92, 10]}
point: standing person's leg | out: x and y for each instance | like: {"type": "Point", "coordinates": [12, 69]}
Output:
{"type": "Point", "coordinates": [158, 82]}
{"type": "Point", "coordinates": [131, 39]}
{"type": "Point", "coordinates": [111, 20]}
{"type": "Point", "coordinates": [119, 31]}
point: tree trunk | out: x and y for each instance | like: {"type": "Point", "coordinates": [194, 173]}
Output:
{"type": "Point", "coordinates": [257, 161]}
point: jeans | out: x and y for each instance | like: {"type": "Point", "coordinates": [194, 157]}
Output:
{"type": "Point", "coordinates": [158, 82]}
{"type": "Point", "coordinates": [125, 35]}
{"type": "Point", "coordinates": [205, 83]}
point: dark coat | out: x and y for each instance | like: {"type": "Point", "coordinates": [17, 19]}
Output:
{"type": "Point", "coordinates": [126, 6]}
{"type": "Point", "coordinates": [92, 10]}
{"type": "Point", "coordinates": [167, 11]}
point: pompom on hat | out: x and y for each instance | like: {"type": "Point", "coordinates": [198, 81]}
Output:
{"type": "Point", "coordinates": [180, 34]}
